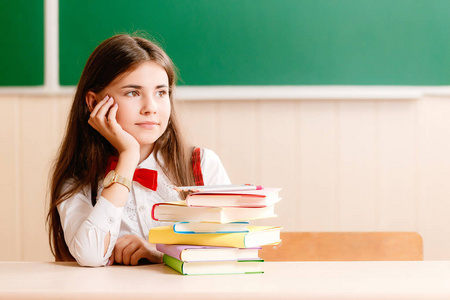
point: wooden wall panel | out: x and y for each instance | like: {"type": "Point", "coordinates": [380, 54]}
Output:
{"type": "Point", "coordinates": [237, 139]}
{"type": "Point", "coordinates": [434, 174]}
{"type": "Point", "coordinates": [10, 203]}
{"type": "Point", "coordinates": [200, 122]}
{"type": "Point", "coordinates": [37, 151]}
{"type": "Point", "coordinates": [358, 159]}
{"type": "Point", "coordinates": [276, 150]}
{"type": "Point", "coordinates": [317, 166]}
{"type": "Point", "coordinates": [398, 166]}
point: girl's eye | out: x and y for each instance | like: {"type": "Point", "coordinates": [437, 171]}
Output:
{"type": "Point", "coordinates": [161, 93]}
{"type": "Point", "coordinates": [132, 94]}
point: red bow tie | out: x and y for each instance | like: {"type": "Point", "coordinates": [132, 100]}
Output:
{"type": "Point", "coordinates": [146, 177]}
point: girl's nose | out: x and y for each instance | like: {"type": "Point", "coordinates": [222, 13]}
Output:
{"type": "Point", "coordinates": [149, 105]}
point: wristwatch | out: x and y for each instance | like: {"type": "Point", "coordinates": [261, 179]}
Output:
{"type": "Point", "coordinates": [113, 177]}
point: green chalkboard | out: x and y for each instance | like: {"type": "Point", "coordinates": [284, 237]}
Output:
{"type": "Point", "coordinates": [273, 42]}
{"type": "Point", "coordinates": [22, 42]}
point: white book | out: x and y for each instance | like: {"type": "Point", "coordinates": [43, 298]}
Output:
{"type": "Point", "coordinates": [177, 211]}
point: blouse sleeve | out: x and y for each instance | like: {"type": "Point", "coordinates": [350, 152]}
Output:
{"type": "Point", "coordinates": [85, 227]}
{"type": "Point", "coordinates": [212, 169]}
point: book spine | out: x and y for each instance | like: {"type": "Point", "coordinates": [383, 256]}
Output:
{"type": "Point", "coordinates": [174, 263]}
{"type": "Point", "coordinates": [208, 232]}
{"type": "Point", "coordinates": [181, 231]}
{"type": "Point", "coordinates": [153, 211]}
{"type": "Point", "coordinates": [169, 250]}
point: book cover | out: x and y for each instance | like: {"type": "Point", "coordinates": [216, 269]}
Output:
{"type": "Point", "coordinates": [189, 253]}
{"type": "Point", "coordinates": [178, 211]}
{"type": "Point", "coordinates": [214, 267]}
{"type": "Point", "coordinates": [256, 237]}
{"type": "Point", "coordinates": [251, 198]}
{"type": "Point", "coordinates": [202, 227]}
{"type": "Point", "coordinates": [217, 188]}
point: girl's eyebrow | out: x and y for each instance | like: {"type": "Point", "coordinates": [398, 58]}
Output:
{"type": "Point", "coordinates": [140, 87]}
{"type": "Point", "coordinates": [132, 86]}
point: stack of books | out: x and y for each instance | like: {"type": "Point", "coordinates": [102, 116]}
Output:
{"type": "Point", "coordinates": [211, 233]}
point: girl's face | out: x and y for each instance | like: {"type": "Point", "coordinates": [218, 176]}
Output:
{"type": "Point", "coordinates": [144, 104]}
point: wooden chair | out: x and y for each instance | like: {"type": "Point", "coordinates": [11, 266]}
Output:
{"type": "Point", "coordinates": [345, 246]}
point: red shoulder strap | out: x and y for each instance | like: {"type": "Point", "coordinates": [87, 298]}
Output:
{"type": "Point", "coordinates": [196, 166]}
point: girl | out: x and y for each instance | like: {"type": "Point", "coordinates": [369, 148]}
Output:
{"type": "Point", "coordinates": [122, 125]}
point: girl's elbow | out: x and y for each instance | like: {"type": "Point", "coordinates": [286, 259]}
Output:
{"type": "Point", "coordinates": [88, 256]}
{"type": "Point", "coordinates": [86, 261]}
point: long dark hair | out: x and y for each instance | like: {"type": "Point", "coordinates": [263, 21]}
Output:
{"type": "Point", "coordinates": [83, 155]}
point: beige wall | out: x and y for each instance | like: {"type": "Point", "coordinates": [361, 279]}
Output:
{"type": "Point", "coordinates": [344, 165]}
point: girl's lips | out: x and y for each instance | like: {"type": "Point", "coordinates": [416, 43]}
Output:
{"type": "Point", "coordinates": [148, 125]}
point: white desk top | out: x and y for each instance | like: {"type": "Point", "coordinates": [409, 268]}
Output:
{"type": "Point", "coordinates": [287, 280]}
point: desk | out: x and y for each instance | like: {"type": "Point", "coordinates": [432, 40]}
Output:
{"type": "Point", "coordinates": [282, 280]}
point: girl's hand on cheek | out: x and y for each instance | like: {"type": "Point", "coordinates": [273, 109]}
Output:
{"type": "Point", "coordinates": [103, 119]}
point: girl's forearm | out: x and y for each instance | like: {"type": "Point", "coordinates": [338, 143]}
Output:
{"type": "Point", "coordinates": [117, 194]}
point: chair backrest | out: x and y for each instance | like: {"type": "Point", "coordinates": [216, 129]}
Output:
{"type": "Point", "coordinates": [345, 246]}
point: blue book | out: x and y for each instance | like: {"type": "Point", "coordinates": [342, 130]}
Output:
{"type": "Point", "coordinates": [200, 227]}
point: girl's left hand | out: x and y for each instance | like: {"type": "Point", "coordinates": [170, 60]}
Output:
{"type": "Point", "coordinates": [129, 249]}
{"type": "Point", "coordinates": [103, 119]}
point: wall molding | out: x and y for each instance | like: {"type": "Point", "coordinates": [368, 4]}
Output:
{"type": "Point", "coordinates": [211, 93]}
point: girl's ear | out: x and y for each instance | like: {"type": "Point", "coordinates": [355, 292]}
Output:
{"type": "Point", "coordinates": [91, 100]}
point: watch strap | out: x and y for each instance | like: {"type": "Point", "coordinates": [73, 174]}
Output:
{"type": "Point", "coordinates": [113, 177]}
{"type": "Point", "coordinates": [123, 181]}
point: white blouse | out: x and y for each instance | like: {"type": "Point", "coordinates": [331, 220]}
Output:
{"type": "Point", "coordinates": [85, 226]}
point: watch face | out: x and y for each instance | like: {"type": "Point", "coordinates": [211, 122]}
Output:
{"type": "Point", "coordinates": [108, 179]}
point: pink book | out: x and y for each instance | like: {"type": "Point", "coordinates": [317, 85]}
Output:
{"type": "Point", "coordinates": [206, 253]}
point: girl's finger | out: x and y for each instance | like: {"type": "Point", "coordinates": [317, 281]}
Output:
{"type": "Point", "coordinates": [118, 255]}
{"type": "Point", "coordinates": [128, 252]}
{"type": "Point", "coordinates": [111, 259]}
{"type": "Point", "coordinates": [98, 106]}
{"type": "Point", "coordinates": [137, 255]}
{"type": "Point", "coordinates": [121, 244]}
{"type": "Point", "coordinates": [112, 114]}
{"type": "Point", "coordinates": [103, 111]}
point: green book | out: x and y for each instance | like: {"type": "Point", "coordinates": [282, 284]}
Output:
{"type": "Point", "coordinates": [214, 267]}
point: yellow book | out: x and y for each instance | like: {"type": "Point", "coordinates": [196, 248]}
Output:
{"type": "Point", "coordinates": [257, 236]}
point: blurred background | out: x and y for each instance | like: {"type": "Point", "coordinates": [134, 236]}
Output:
{"type": "Point", "coordinates": [344, 104]}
